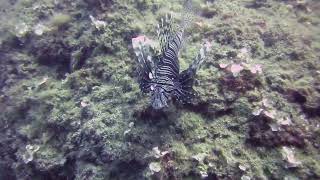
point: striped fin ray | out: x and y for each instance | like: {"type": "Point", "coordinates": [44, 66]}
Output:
{"type": "Point", "coordinates": [170, 52]}
{"type": "Point", "coordinates": [171, 39]}
{"type": "Point", "coordinates": [164, 30]}
{"type": "Point", "coordinates": [169, 64]}
{"type": "Point", "coordinates": [146, 62]}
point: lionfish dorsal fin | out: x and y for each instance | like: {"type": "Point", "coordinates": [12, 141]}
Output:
{"type": "Point", "coordinates": [165, 30]}
{"type": "Point", "coordinates": [168, 62]}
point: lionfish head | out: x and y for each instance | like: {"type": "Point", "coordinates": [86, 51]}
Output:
{"type": "Point", "coordinates": [158, 97]}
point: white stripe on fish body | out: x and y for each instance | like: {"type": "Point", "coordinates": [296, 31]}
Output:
{"type": "Point", "coordinates": [166, 73]}
{"type": "Point", "coordinates": [174, 70]}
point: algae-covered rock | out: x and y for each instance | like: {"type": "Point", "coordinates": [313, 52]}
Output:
{"type": "Point", "coordinates": [58, 20]}
{"type": "Point", "coordinates": [71, 108]}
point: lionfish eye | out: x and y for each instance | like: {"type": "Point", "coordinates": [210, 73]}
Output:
{"type": "Point", "coordinates": [152, 87]}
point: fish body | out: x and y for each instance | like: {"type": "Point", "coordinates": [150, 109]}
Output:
{"type": "Point", "coordinates": [160, 75]}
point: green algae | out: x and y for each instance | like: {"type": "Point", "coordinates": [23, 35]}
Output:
{"type": "Point", "coordinates": [91, 120]}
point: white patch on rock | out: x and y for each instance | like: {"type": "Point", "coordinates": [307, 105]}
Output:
{"type": "Point", "coordinates": [155, 167]}
{"type": "Point", "coordinates": [199, 157]}
{"type": "Point", "coordinates": [257, 112]}
{"type": "Point", "coordinates": [126, 131]}
{"type": "Point", "coordinates": [43, 81]}
{"type": "Point", "coordinates": [244, 177]}
{"type": "Point", "coordinates": [131, 124]}
{"type": "Point", "coordinates": [274, 127]}
{"type": "Point", "coordinates": [29, 154]}
{"type": "Point", "coordinates": [84, 103]}
{"type": "Point", "coordinates": [157, 153]}
{"type": "Point", "coordinates": [243, 167]}
{"type": "Point", "coordinates": [21, 29]}
{"type": "Point", "coordinates": [288, 156]}
{"type": "Point", "coordinates": [203, 174]}
{"type": "Point", "coordinates": [285, 121]}
{"type": "Point", "coordinates": [271, 114]}
{"type": "Point", "coordinates": [98, 23]}
{"type": "Point", "coordinates": [39, 29]}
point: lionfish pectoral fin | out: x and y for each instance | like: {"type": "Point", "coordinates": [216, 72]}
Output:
{"type": "Point", "coordinates": [159, 101]}
{"type": "Point", "coordinates": [184, 91]}
{"type": "Point", "coordinates": [199, 59]}
{"type": "Point", "coordinates": [146, 62]}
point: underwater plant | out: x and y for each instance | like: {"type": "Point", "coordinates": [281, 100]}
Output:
{"type": "Point", "coordinates": [159, 73]}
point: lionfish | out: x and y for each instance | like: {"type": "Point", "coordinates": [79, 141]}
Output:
{"type": "Point", "coordinates": [160, 74]}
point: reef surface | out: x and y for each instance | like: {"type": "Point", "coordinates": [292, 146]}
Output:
{"type": "Point", "coordinates": [71, 108]}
